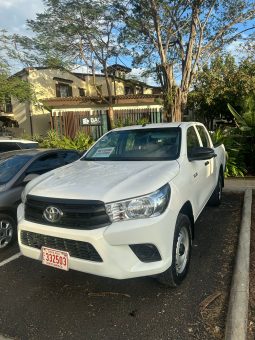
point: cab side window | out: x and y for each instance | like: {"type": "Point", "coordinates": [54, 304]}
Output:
{"type": "Point", "coordinates": [192, 140]}
{"type": "Point", "coordinates": [203, 135]}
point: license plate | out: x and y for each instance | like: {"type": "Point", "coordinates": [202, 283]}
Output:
{"type": "Point", "coordinates": [55, 258]}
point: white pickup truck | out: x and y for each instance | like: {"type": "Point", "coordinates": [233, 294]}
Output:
{"type": "Point", "coordinates": [127, 208]}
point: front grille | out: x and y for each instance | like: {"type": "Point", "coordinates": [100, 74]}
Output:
{"type": "Point", "coordinates": [77, 214]}
{"type": "Point", "coordinates": [78, 249]}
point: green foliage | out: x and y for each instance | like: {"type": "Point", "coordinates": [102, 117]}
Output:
{"type": "Point", "coordinates": [235, 158]}
{"type": "Point", "coordinates": [16, 88]}
{"type": "Point", "coordinates": [11, 87]}
{"type": "Point", "coordinates": [120, 122]}
{"type": "Point", "coordinates": [144, 120]}
{"type": "Point", "coordinates": [220, 83]}
{"type": "Point", "coordinates": [246, 131]}
{"type": "Point", "coordinates": [246, 122]}
{"type": "Point", "coordinates": [177, 37]}
{"type": "Point", "coordinates": [80, 142]}
{"type": "Point", "coordinates": [127, 122]}
{"type": "Point", "coordinates": [70, 33]}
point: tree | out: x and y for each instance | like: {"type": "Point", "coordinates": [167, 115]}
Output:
{"type": "Point", "coordinates": [221, 82]}
{"type": "Point", "coordinates": [174, 37]}
{"type": "Point", "coordinates": [11, 86]}
{"type": "Point", "coordinates": [75, 32]}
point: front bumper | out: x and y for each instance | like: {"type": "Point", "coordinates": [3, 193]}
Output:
{"type": "Point", "coordinates": [112, 244]}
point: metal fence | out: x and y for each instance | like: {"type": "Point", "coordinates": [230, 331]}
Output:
{"type": "Point", "coordinates": [137, 116]}
{"type": "Point", "coordinates": [68, 123]}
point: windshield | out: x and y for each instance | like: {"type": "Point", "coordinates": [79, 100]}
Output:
{"type": "Point", "coordinates": [9, 167]}
{"type": "Point", "coordinates": [142, 144]}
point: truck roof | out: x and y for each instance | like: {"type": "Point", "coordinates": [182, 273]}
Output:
{"type": "Point", "coordinates": [156, 126]}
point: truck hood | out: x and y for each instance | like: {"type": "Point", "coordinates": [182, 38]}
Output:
{"type": "Point", "coordinates": [104, 180]}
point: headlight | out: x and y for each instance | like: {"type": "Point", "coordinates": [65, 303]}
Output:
{"type": "Point", "coordinates": [150, 205]}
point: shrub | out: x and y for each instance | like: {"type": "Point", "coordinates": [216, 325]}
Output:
{"type": "Point", "coordinates": [235, 165]}
{"type": "Point", "coordinates": [245, 131]}
{"type": "Point", "coordinates": [80, 142]}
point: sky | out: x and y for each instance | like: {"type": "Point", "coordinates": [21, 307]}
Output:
{"type": "Point", "coordinates": [14, 13]}
{"type": "Point", "coordinates": [13, 16]}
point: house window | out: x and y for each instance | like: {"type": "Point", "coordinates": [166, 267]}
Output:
{"type": "Point", "coordinates": [129, 90]}
{"type": "Point", "coordinates": [82, 92]}
{"type": "Point", "coordinates": [63, 90]}
{"type": "Point", "coordinates": [139, 90]}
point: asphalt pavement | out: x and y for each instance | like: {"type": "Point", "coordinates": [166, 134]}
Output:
{"type": "Point", "coordinates": [38, 302]}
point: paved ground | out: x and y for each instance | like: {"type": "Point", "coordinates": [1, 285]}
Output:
{"type": "Point", "coordinates": [240, 183]}
{"type": "Point", "coordinates": [37, 302]}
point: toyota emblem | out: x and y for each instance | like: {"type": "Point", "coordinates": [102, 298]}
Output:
{"type": "Point", "coordinates": [52, 214]}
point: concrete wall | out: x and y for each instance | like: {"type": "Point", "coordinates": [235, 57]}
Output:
{"type": "Point", "coordinates": [45, 85]}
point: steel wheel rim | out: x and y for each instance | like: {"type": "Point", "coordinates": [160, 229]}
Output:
{"type": "Point", "coordinates": [182, 250]}
{"type": "Point", "coordinates": [6, 232]}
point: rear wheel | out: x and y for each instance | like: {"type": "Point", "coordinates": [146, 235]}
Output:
{"type": "Point", "coordinates": [175, 274]}
{"type": "Point", "coordinates": [216, 197]}
{"type": "Point", "coordinates": [7, 230]}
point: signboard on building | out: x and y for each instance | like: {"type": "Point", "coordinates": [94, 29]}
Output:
{"type": "Point", "coordinates": [91, 120]}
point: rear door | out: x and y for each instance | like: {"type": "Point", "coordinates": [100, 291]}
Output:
{"type": "Point", "coordinates": [210, 164]}
{"type": "Point", "coordinates": [197, 171]}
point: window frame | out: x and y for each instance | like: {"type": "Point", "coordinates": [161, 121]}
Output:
{"type": "Point", "coordinates": [209, 143]}
{"type": "Point", "coordinates": [198, 139]}
{"type": "Point", "coordinates": [67, 86]}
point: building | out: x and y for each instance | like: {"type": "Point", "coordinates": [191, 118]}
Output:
{"type": "Point", "coordinates": [57, 88]}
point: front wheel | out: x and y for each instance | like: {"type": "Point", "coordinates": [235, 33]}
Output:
{"type": "Point", "coordinates": [7, 230]}
{"type": "Point", "coordinates": [181, 254]}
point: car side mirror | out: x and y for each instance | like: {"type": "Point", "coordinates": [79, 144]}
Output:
{"type": "Point", "coordinates": [29, 177]}
{"type": "Point", "coordinates": [201, 153]}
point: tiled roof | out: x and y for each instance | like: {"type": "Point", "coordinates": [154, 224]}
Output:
{"type": "Point", "coordinates": [94, 98]}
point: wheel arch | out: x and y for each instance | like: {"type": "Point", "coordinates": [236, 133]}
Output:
{"type": "Point", "coordinates": [10, 212]}
{"type": "Point", "coordinates": [222, 175]}
{"type": "Point", "coordinates": [187, 210]}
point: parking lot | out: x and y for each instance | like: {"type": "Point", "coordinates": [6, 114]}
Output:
{"type": "Point", "coordinates": [38, 302]}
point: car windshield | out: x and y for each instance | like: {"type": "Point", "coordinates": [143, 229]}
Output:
{"type": "Point", "coordinates": [9, 167]}
{"type": "Point", "coordinates": [137, 144]}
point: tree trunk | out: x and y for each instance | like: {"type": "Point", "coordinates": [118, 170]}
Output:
{"type": "Point", "coordinates": [165, 76]}
{"type": "Point", "coordinates": [168, 107]}
{"type": "Point", "coordinates": [111, 117]}
{"type": "Point", "coordinates": [180, 104]}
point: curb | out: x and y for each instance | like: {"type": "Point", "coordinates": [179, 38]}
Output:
{"type": "Point", "coordinates": [237, 317]}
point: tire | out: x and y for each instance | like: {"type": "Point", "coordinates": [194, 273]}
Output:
{"type": "Point", "coordinates": [8, 230]}
{"type": "Point", "coordinates": [216, 197]}
{"type": "Point", "coordinates": [177, 272]}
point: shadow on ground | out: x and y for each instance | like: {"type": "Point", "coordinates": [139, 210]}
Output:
{"type": "Point", "coordinates": [37, 302]}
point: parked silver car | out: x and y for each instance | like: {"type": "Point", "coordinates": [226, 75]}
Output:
{"type": "Point", "coordinates": [17, 168]}
{"type": "Point", "coordinates": [9, 144]}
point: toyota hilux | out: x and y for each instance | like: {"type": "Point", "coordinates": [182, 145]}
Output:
{"type": "Point", "coordinates": [128, 207]}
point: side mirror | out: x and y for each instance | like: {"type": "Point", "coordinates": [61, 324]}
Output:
{"type": "Point", "coordinates": [29, 178]}
{"type": "Point", "coordinates": [201, 153]}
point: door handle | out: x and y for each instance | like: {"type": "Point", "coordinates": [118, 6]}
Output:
{"type": "Point", "coordinates": [206, 163]}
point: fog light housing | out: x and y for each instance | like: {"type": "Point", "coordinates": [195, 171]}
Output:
{"type": "Point", "coordinates": [146, 252]}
